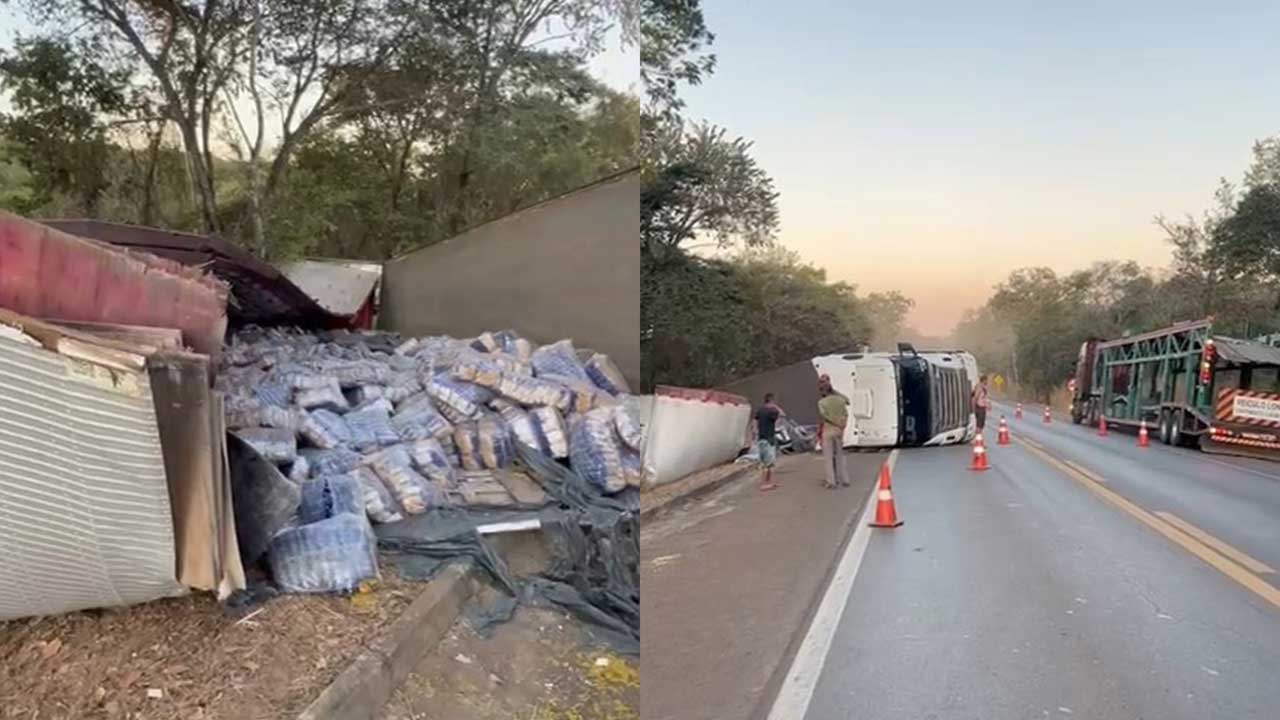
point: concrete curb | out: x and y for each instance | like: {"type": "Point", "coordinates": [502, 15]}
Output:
{"type": "Point", "coordinates": [697, 491]}
{"type": "Point", "coordinates": [779, 674]}
{"type": "Point", "coordinates": [368, 682]}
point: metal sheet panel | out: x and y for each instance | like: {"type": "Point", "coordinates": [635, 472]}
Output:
{"type": "Point", "coordinates": [340, 288]}
{"type": "Point", "coordinates": [84, 505]}
{"type": "Point", "coordinates": [1246, 351]}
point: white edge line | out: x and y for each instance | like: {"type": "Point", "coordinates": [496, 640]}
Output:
{"type": "Point", "coordinates": [792, 701]}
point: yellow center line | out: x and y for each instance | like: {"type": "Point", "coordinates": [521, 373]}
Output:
{"type": "Point", "coordinates": [1252, 582]}
{"type": "Point", "coordinates": [1230, 551]}
{"type": "Point", "coordinates": [1084, 471]}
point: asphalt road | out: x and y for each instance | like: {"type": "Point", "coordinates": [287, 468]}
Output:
{"type": "Point", "coordinates": [1080, 577]}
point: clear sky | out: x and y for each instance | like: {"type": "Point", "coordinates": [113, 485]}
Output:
{"type": "Point", "coordinates": [932, 147]}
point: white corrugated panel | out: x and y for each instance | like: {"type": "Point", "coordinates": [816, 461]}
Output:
{"type": "Point", "coordinates": [84, 507]}
{"type": "Point", "coordinates": [688, 430]}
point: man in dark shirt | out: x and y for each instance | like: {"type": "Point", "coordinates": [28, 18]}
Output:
{"type": "Point", "coordinates": [766, 421]}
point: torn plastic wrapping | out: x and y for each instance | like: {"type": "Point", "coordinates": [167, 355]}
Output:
{"type": "Point", "coordinates": [594, 539]}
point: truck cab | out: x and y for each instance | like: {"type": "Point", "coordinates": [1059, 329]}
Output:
{"type": "Point", "coordinates": [907, 398]}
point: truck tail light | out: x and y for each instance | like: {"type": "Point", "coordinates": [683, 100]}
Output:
{"type": "Point", "coordinates": [1206, 363]}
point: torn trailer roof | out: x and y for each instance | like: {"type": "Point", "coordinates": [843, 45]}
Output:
{"type": "Point", "coordinates": [260, 294]}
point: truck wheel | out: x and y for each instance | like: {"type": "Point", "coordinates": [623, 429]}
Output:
{"type": "Point", "coordinates": [1164, 426]}
{"type": "Point", "coordinates": [1175, 429]}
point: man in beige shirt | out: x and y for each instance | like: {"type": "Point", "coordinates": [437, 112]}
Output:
{"type": "Point", "coordinates": [833, 411]}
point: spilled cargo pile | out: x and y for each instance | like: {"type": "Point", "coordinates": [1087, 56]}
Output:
{"type": "Point", "coordinates": [358, 430]}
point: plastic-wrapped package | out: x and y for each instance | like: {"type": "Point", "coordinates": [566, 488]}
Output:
{"type": "Point", "coordinates": [417, 418]}
{"type": "Point", "coordinates": [279, 445]}
{"type": "Point", "coordinates": [626, 420]}
{"type": "Point", "coordinates": [379, 504]}
{"type": "Point", "coordinates": [330, 495]}
{"type": "Point", "coordinates": [402, 385]}
{"type": "Point", "coordinates": [558, 358]}
{"type": "Point", "coordinates": [371, 428]}
{"type": "Point", "coordinates": [430, 458]}
{"type": "Point", "coordinates": [479, 370]}
{"type": "Point", "coordinates": [466, 436]}
{"type": "Point", "coordinates": [332, 555]}
{"type": "Point", "coordinates": [237, 399]}
{"type": "Point", "coordinates": [594, 451]}
{"type": "Point", "coordinates": [408, 347]}
{"type": "Point", "coordinates": [586, 396]}
{"type": "Point", "coordinates": [633, 468]}
{"type": "Point", "coordinates": [303, 380]}
{"type": "Point", "coordinates": [520, 423]}
{"type": "Point", "coordinates": [535, 391]}
{"type": "Point", "coordinates": [395, 468]}
{"type": "Point", "coordinates": [606, 376]}
{"type": "Point", "coordinates": [263, 416]}
{"type": "Point", "coordinates": [450, 449]}
{"type": "Point", "coordinates": [381, 404]}
{"type": "Point", "coordinates": [276, 394]}
{"type": "Point", "coordinates": [300, 469]}
{"type": "Point", "coordinates": [359, 372]}
{"type": "Point", "coordinates": [331, 462]}
{"type": "Point", "coordinates": [324, 428]}
{"type": "Point", "coordinates": [551, 429]}
{"type": "Point", "coordinates": [328, 396]}
{"type": "Point", "coordinates": [366, 394]}
{"type": "Point", "coordinates": [456, 399]}
{"type": "Point", "coordinates": [496, 450]}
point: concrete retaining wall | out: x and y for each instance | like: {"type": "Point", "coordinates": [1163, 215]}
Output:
{"type": "Point", "coordinates": [569, 267]}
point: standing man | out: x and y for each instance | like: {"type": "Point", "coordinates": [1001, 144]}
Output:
{"type": "Point", "coordinates": [981, 402]}
{"type": "Point", "coordinates": [766, 421]}
{"type": "Point", "coordinates": [833, 411]}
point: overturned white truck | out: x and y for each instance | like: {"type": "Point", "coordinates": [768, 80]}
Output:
{"type": "Point", "coordinates": [903, 399]}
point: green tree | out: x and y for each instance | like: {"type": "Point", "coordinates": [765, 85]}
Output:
{"type": "Point", "coordinates": [706, 185]}
{"type": "Point", "coordinates": [64, 102]}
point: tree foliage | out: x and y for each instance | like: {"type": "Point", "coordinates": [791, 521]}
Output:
{"type": "Point", "coordinates": [368, 126]}
{"type": "Point", "coordinates": [705, 322]}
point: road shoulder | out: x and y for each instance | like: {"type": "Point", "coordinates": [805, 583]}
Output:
{"type": "Point", "coordinates": [731, 580]}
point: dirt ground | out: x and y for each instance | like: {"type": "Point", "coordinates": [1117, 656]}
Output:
{"type": "Point", "coordinates": [185, 658]}
{"type": "Point", "coordinates": [539, 666]}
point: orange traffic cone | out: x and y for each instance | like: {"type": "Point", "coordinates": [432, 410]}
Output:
{"type": "Point", "coordinates": [1002, 438]}
{"type": "Point", "coordinates": [1017, 412]}
{"type": "Point", "coordinates": [886, 513]}
{"type": "Point", "coordinates": [1102, 426]}
{"type": "Point", "coordinates": [1144, 440]}
{"type": "Point", "coordinates": [1048, 416]}
{"type": "Point", "coordinates": [979, 455]}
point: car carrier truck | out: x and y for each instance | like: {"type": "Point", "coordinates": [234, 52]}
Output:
{"type": "Point", "coordinates": [1190, 386]}
{"type": "Point", "coordinates": [907, 398]}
